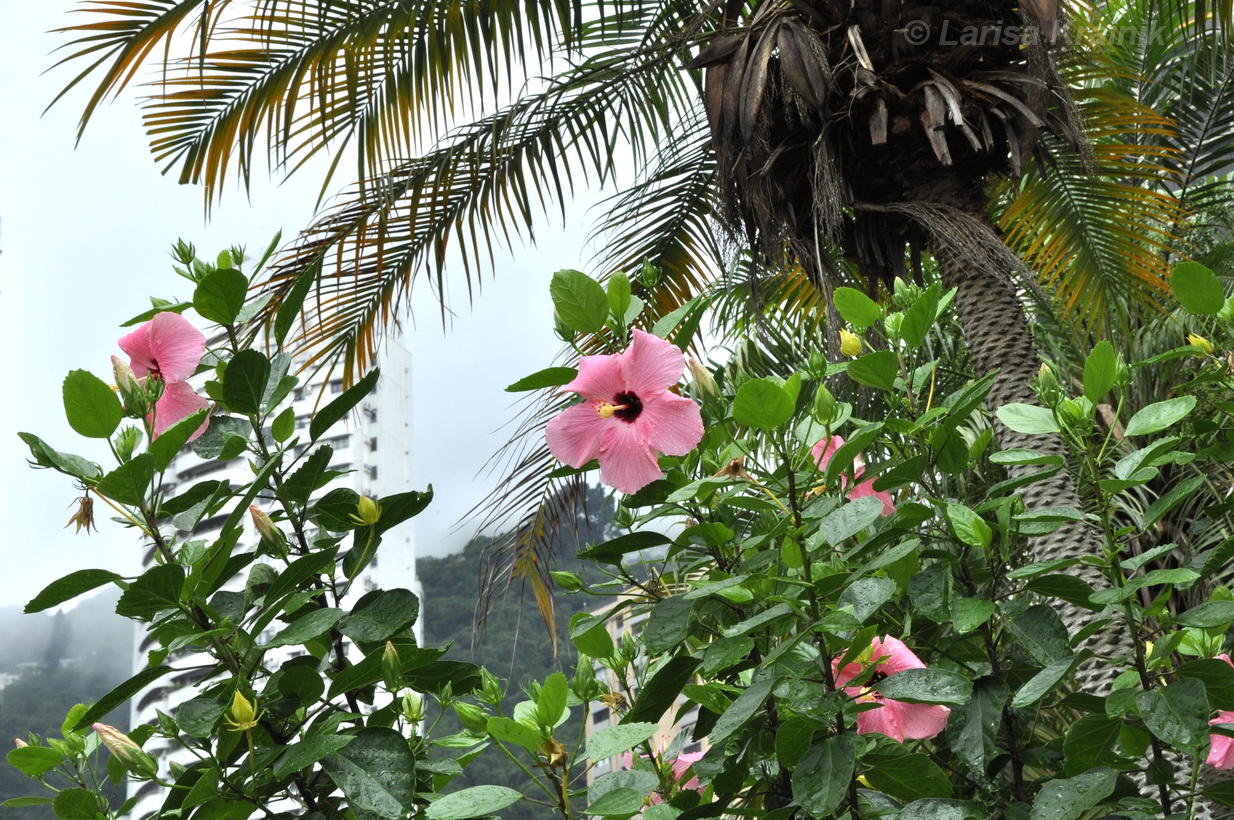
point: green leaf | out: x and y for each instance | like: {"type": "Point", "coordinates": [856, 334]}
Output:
{"type": "Point", "coordinates": [197, 717]}
{"type": "Point", "coordinates": [157, 590]}
{"type": "Point", "coordinates": [307, 627]}
{"type": "Point", "coordinates": [614, 551]}
{"type": "Point", "coordinates": [76, 804]}
{"type": "Point", "coordinates": [1178, 713]}
{"type": "Point", "coordinates": [548, 377]}
{"type": "Point", "coordinates": [590, 636]}
{"type": "Point", "coordinates": [926, 686]}
{"type": "Point", "coordinates": [620, 802]}
{"type": "Point", "coordinates": [580, 301]}
{"type": "Point", "coordinates": [23, 802]}
{"type": "Point", "coordinates": [820, 781]}
{"type": "Point", "coordinates": [1217, 677]}
{"type": "Point", "coordinates": [1044, 682]}
{"type": "Point", "coordinates": [120, 695]}
{"type": "Point", "coordinates": [969, 613]}
{"type": "Point", "coordinates": [69, 587]}
{"type": "Point", "coordinates": [1157, 417]}
{"type": "Point", "coordinates": [219, 434]}
{"type": "Point", "coordinates": [877, 369]}
{"type": "Point", "coordinates": [34, 761]}
{"type": "Point", "coordinates": [92, 408]}
{"type": "Point", "coordinates": [284, 425]}
{"type": "Point", "coordinates": [551, 704]}
{"type": "Point", "coordinates": [934, 809]}
{"type": "Point", "coordinates": [1027, 418]}
{"type": "Point", "coordinates": [909, 777]}
{"type": "Point", "coordinates": [763, 404]}
{"type": "Point", "coordinates": [1069, 799]}
{"type": "Point", "coordinates": [1208, 615]}
{"type": "Point", "coordinates": [849, 519]}
{"type": "Point", "coordinates": [613, 740]}
{"type": "Point", "coordinates": [376, 771]}
{"type": "Point", "coordinates": [1197, 289]}
{"type": "Point", "coordinates": [1090, 742]}
{"type": "Point", "coordinates": [1041, 632]}
{"type": "Point", "coordinates": [968, 526]}
{"type": "Point", "coordinates": [335, 410]}
{"type": "Point", "coordinates": [619, 296]}
{"type": "Point", "coordinates": [742, 709]}
{"type": "Point", "coordinates": [289, 311]}
{"type": "Point", "coordinates": [477, 801]}
{"type": "Point", "coordinates": [920, 317]}
{"type": "Point", "coordinates": [684, 320]}
{"type": "Point", "coordinates": [307, 752]}
{"type": "Point", "coordinates": [400, 507]}
{"type": "Point", "coordinates": [220, 295]}
{"type": "Point", "coordinates": [1222, 793]}
{"type": "Point", "coordinates": [244, 381]}
{"type": "Point", "coordinates": [856, 308]}
{"type": "Point", "coordinates": [668, 624]}
{"type": "Point", "coordinates": [308, 477]}
{"type": "Point", "coordinates": [866, 595]}
{"type": "Point", "coordinates": [512, 731]}
{"type": "Point", "coordinates": [973, 729]}
{"type": "Point", "coordinates": [1100, 371]}
{"type": "Point", "coordinates": [168, 445]}
{"type": "Point", "coordinates": [380, 614]}
{"type": "Point", "coordinates": [129, 483]}
{"type": "Point", "coordinates": [792, 740]}
{"type": "Point", "coordinates": [45, 456]}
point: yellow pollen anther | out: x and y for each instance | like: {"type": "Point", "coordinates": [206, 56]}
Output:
{"type": "Point", "coordinates": [606, 410]}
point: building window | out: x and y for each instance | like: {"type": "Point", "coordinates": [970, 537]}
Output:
{"type": "Point", "coordinates": [336, 386]}
{"type": "Point", "coordinates": [372, 445]}
{"type": "Point", "coordinates": [371, 470]}
{"type": "Point", "coordinates": [371, 412]}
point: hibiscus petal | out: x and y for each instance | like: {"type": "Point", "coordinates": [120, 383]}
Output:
{"type": "Point", "coordinates": [1221, 753]}
{"type": "Point", "coordinates": [824, 449]}
{"type": "Point", "coordinates": [670, 423]}
{"type": "Point", "coordinates": [866, 489]}
{"type": "Point", "coordinates": [178, 401]}
{"type": "Point", "coordinates": [178, 346]}
{"type": "Point", "coordinates": [599, 377]}
{"type": "Point", "coordinates": [627, 461]}
{"type": "Point", "coordinates": [140, 350]}
{"type": "Point", "coordinates": [881, 720]}
{"type": "Point", "coordinates": [895, 654]}
{"type": "Point", "coordinates": [918, 720]}
{"type": "Point", "coordinates": [575, 435]}
{"type": "Point", "coordinates": [651, 365]}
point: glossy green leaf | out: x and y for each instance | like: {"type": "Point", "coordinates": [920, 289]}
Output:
{"type": "Point", "coordinates": [130, 482]}
{"type": "Point", "coordinates": [1177, 713]}
{"type": "Point", "coordinates": [909, 777]}
{"type": "Point", "coordinates": [244, 381]}
{"type": "Point", "coordinates": [856, 308]}
{"type": "Point", "coordinates": [1198, 289]}
{"type": "Point", "coordinates": [376, 771]}
{"type": "Point", "coordinates": [512, 731]}
{"type": "Point", "coordinates": [821, 779]}
{"type": "Point", "coordinates": [1027, 418]}
{"type": "Point", "coordinates": [220, 295]}
{"type": "Point", "coordinates": [69, 587]}
{"type": "Point", "coordinates": [380, 614]}
{"type": "Point", "coordinates": [878, 369]}
{"type": "Point", "coordinates": [968, 526]}
{"type": "Point", "coordinates": [477, 801]}
{"type": "Point", "coordinates": [167, 446]}
{"type": "Point", "coordinates": [548, 377]}
{"type": "Point", "coordinates": [34, 761]}
{"type": "Point", "coordinates": [763, 404]}
{"type": "Point", "coordinates": [613, 740]}
{"type": "Point", "coordinates": [580, 301]}
{"type": "Point", "coordinates": [92, 408]}
{"type": "Point", "coordinates": [289, 310]}
{"type": "Point", "coordinates": [1100, 371]}
{"type": "Point", "coordinates": [121, 694]}
{"type": "Point", "coordinates": [307, 752]}
{"type": "Point", "coordinates": [307, 627]}
{"type": "Point", "coordinates": [1090, 742]}
{"type": "Point", "coordinates": [1071, 798]}
{"type": "Point", "coordinates": [157, 590]}
{"type": "Point", "coordinates": [330, 415]}
{"type": "Point", "coordinates": [926, 686]}
{"type": "Point", "coordinates": [1159, 416]}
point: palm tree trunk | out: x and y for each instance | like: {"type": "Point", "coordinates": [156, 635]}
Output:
{"type": "Point", "coordinates": [999, 341]}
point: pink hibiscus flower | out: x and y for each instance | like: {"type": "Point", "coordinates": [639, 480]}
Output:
{"type": "Point", "coordinates": [629, 416]}
{"type": "Point", "coordinates": [894, 718]}
{"type": "Point", "coordinates": [168, 348]}
{"type": "Point", "coordinates": [1221, 752]}
{"type": "Point", "coordinates": [826, 448]}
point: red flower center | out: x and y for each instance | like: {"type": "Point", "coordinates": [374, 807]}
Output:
{"type": "Point", "coordinates": [627, 407]}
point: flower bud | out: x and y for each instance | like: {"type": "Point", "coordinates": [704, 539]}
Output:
{"type": "Point", "coordinates": [264, 525]}
{"type": "Point", "coordinates": [368, 512]}
{"type": "Point", "coordinates": [567, 580]}
{"type": "Point", "coordinates": [824, 408]}
{"type": "Point", "coordinates": [490, 688]}
{"type": "Point", "coordinates": [126, 751]}
{"type": "Point", "coordinates": [413, 707]}
{"type": "Point", "coordinates": [1048, 389]}
{"type": "Point", "coordinates": [1196, 340]}
{"type": "Point", "coordinates": [19, 743]}
{"type": "Point", "coordinates": [891, 323]}
{"type": "Point", "coordinates": [391, 668]}
{"type": "Point", "coordinates": [471, 716]}
{"type": "Point", "coordinates": [243, 714]}
{"type": "Point", "coordinates": [850, 343]}
{"type": "Point", "coordinates": [704, 382]}
{"type": "Point", "coordinates": [132, 392]}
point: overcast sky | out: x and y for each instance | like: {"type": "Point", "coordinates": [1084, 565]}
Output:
{"type": "Point", "coordinates": [84, 237]}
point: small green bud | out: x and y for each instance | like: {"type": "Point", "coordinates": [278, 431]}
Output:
{"type": "Point", "coordinates": [471, 716]}
{"type": "Point", "coordinates": [413, 707]}
{"type": "Point", "coordinates": [891, 322]}
{"type": "Point", "coordinates": [824, 408]}
{"type": "Point", "coordinates": [392, 669]}
{"type": "Point", "coordinates": [368, 512]}
{"type": "Point", "coordinates": [127, 752]}
{"type": "Point", "coordinates": [490, 688]}
{"type": "Point", "coordinates": [1048, 389]}
{"type": "Point", "coordinates": [567, 580]}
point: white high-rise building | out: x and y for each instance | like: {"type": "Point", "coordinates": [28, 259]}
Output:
{"type": "Point", "coordinates": [373, 449]}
